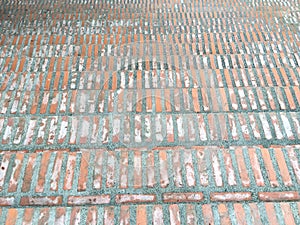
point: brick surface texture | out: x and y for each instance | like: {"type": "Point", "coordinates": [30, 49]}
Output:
{"type": "Point", "coordinates": [149, 112]}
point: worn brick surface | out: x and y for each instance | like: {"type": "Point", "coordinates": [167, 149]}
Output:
{"type": "Point", "coordinates": [149, 112]}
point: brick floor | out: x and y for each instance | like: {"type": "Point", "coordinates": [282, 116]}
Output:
{"type": "Point", "coordinates": [149, 112]}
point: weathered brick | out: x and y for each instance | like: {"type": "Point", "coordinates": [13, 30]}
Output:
{"type": "Point", "coordinates": [89, 200]}
{"type": "Point", "coordinates": [135, 198]}
{"type": "Point", "coordinates": [41, 201]}
{"type": "Point", "coordinates": [279, 196]}
{"type": "Point", "coordinates": [230, 196]}
{"type": "Point", "coordinates": [183, 197]}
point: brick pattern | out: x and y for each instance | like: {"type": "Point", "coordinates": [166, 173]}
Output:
{"type": "Point", "coordinates": [170, 175]}
{"type": "Point", "coordinates": [85, 74]}
{"type": "Point", "coordinates": [111, 111]}
{"type": "Point", "coordinates": [224, 213]}
{"type": "Point", "coordinates": [252, 128]}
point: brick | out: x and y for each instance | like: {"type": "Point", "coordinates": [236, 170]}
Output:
{"type": "Point", "coordinates": [157, 215]}
{"type": "Point", "coordinates": [141, 215]}
{"type": "Point", "coordinates": [183, 197]}
{"type": "Point", "coordinates": [190, 175]}
{"type": "Point", "coordinates": [11, 217]}
{"type": "Point", "coordinates": [125, 214]}
{"type": "Point", "coordinates": [271, 212]}
{"type": "Point", "coordinates": [283, 167]}
{"type": "Point", "coordinates": [269, 167]}
{"type": "Point", "coordinates": [88, 200]}
{"type": "Point", "coordinates": [28, 215]}
{"type": "Point", "coordinates": [60, 215]}
{"type": "Point", "coordinates": [27, 179]}
{"type": "Point", "coordinates": [109, 215]}
{"type": "Point", "coordinates": [207, 214]}
{"type": "Point", "coordinates": [135, 198]}
{"type": "Point", "coordinates": [164, 178]}
{"type": "Point", "coordinates": [7, 201]}
{"type": "Point", "coordinates": [43, 171]}
{"type": "Point", "coordinates": [44, 216]}
{"type": "Point", "coordinates": [68, 181]}
{"type": "Point", "coordinates": [256, 167]}
{"type": "Point", "coordinates": [279, 196]}
{"type": "Point", "coordinates": [239, 213]}
{"type": "Point", "coordinates": [56, 170]}
{"type": "Point", "coordinates": [230, 196]}
{"type": "Point", "coordinates": [92, 215]}
{"type": "Point", "coordinates": [216, 169]}
{"type": "Point", "coordinates": [41, 201]}
{"type": "Point", "coordinates": [84, 166]}
{"type": "Point", "coordinates": [174, 214]}
{"type": "Point", "coordinates": [224, 214]}
{"type": "Point", "coordinates": [287, 213]}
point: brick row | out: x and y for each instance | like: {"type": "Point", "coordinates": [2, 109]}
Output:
{"type": "Point", "coordinates": [152, 79]}
{"type": "Point", "coordinates": [266, 174]}
{"type": "Point", "coordinates": [92, 50]}
{"type": "Point", "coordinates": [104, 25]}
{"type": "Point", "coordinates": [112, 63]}
{"type": "Point", "coordinates": [147, 130]}
{"type": "Point", "coordinates": [94, 30]}
{"type": "Point", "coordinates": [264, 36]}
{"type": "Point", "coordinates": [182, 197]}
{"type": "Point", "coordinates": [178, 100]}
{"type": "Point", "coordinates": [224, 213]}
{"type": "Point", "coordinates": [184, 100]}
{"type": "Point", "coordinates": [224, 46]}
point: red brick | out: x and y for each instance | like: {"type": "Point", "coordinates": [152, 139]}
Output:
{"type": "Point", "coordinates": [43, 170]}
{"type": "Point", "coordinates": [11, 217]}
{"type": "Point", "coordinates": [125, 214]}
{"type": "Point", "coordinates": [208, 217]}
{"type": "Point", "coordinates": [54, 181]}
{"type": "Point", "coordinates": [283, 167]}
{"type": "Point", "coordinates": [230, 196]}
{"type": "Point", "coordinates": [92, 215]}
{"type": "Point", "coordinates": [270, 213]}
{"type": "Point", "coordinates": [135, 198]}
{"type": "Point", "coordinates": [7, 201]}
{"type": "Point", "coordinates": [86, 200]}
{"type": "Point", "coordinates": [68, 181]}
{"type": "Point", "coordinates": [84, 166]}
{"type": "Point", "coordinates": [224, 214]}
{"type": "Point", "coordinates": [183, 197]}
{"type": "Point", "coordinates": [287, 213]}
{"type": "Point", "coordinates": [13, 183]}
{"type": "Point", "coordinates": [174, 214]}
{"type": "Point", "coordinates": [256, 167]}
{"type": "Point", "coordinates": [279, 196]}
{"type": "Point", "coordinates": [157, 215]}
{"type": "Point", "coordinates": [109, 215]}
{"type": "Point", "coordinates": [141, 215]}
{"type": "Point", "coordinates": [239, 213]}
{"type": "Point", "coordinates": [43, 215]}
{"type": "Point", "coordinates": [164, 178]}
{"type": "Point", "coordinates": [28, 172]}
{"type": "Point", "coordinates": [41, 201]}
{"type": "Point", "coordinates": [28, 215]}
{"type": "Point", "coordinates": [60, 215]}
{"type": "Point", "coordinates": [269, 167]}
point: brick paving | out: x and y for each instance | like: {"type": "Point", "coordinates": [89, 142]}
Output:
{"type": "Point", "coordinates": [149, 112]}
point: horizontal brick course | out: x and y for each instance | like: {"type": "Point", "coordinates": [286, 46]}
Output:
{"type": "Point", "coordinates": [279, 196]}
{"type": "Point", "coordinates": [183, 197]}
{"type": "Point", "coordinates": [230, 196]}
{"type": "Point", "coordinates": [89, 200]}
{"type": "Point", "coordinates": [41, 201]}
{"type": "Point", "coordinates": [134, 198]}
